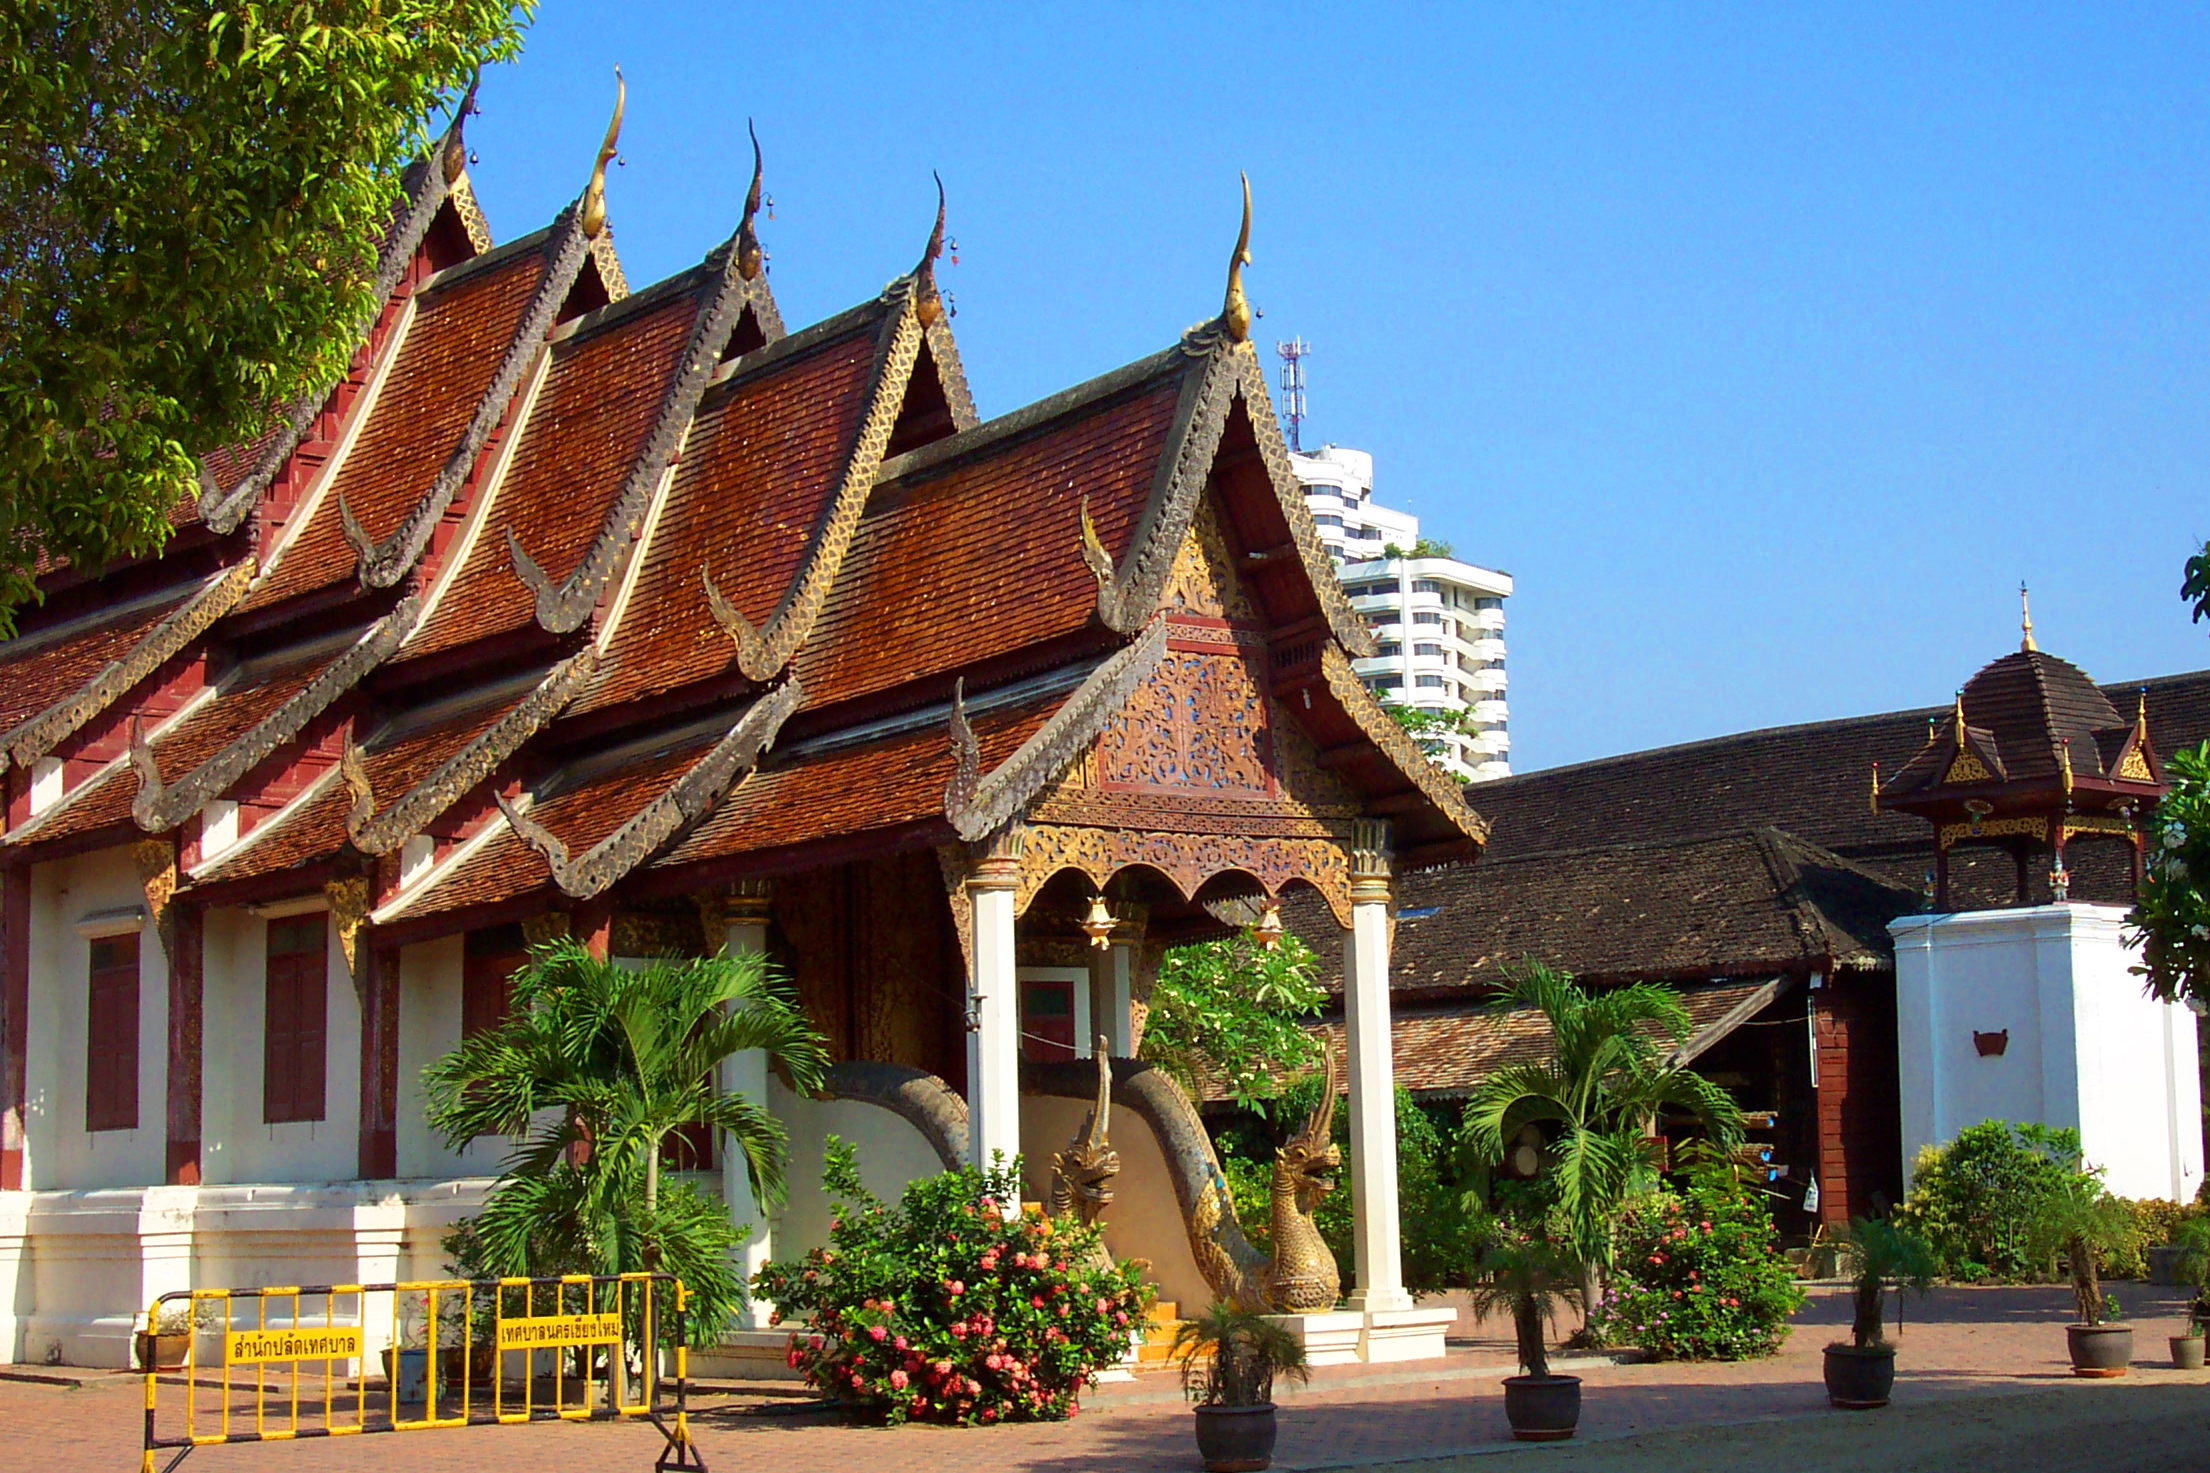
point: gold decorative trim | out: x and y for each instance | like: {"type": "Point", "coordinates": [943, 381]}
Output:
{"type": "Point", "coordinates": [1187, 860]}
{"type": "Point", "coordinates": [155, 860]}
{"type": "Point", "coordinates": [2134, 767]}
{"type": "Point", "coordinates": [2032, 827]}
{"type": "Point", "coordinates": [350, 903]}
{"type": "Point", "coordinates": [1966, 768]}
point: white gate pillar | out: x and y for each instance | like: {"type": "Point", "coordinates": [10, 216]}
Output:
{"type": "Point", "coordinates": [748, 907]}
{"type": "Point", "coordinates": [993, 1008]}
{"type": "Point", "coordinates": [1376, 1235]}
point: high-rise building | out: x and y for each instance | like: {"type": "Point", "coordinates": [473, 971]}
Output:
{"type": "Point", "coordinates": [1438, 623]}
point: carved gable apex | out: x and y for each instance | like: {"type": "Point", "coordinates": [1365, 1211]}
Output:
{"type": "Point", "coordinates": [1202, 580]}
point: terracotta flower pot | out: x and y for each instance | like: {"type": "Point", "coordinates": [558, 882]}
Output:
{"type": "Point", "coordinates": [1542, 1408]}
{"type": "Point", "coordinates": [1859, 1380]}
{"type": "Point", "coordinates": [2187, 1352]}
{"type": "Point", "coordinates": [1236, 1439]}
{"type": "Point", "coordinates": [163, 1352]}
{"type": "Point", "coordinates": [2100, 1350]}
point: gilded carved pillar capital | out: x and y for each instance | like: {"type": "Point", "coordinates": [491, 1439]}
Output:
{"type": "Point", "coordinates": [1372, 861]}
{"type": "Point", "coordinates": [749, 902]}
{"type": "Point", "coordinates": [995, 862]}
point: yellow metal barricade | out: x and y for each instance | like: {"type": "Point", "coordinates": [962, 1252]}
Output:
{"type": "Point", "coordinates": [282, 1364]}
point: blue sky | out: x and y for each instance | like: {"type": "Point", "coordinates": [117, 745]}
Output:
{"type": "Point", "coordinates": [1769, 349]}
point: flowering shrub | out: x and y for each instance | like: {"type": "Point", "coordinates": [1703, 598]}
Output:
{"type": "Point", "coordinates": [939, 1309]}
{"type": "Point", "coordinates": [1699, 1277]}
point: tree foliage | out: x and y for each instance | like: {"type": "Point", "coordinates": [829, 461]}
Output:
{"type": "Point", "coordinates": [595, 1070]}
{"type": "Point", "coordinates": [2171, 911]}
{"type": "Point", "coordinates": [191, 198]}
{"type": "Point", "coordinates": [1235, 1010]}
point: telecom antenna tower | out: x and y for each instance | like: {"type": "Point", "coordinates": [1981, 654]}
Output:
{"type": "Point", "coordinates": [1293, 388]}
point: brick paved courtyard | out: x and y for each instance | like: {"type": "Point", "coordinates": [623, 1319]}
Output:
{"type": "Point", "coordinates": [1960, 1343]}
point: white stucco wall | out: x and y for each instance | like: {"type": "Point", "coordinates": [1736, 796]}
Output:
{"type": "Point", "coordinates": [2087, 1048]}
{"type": "Point", "coordinates": [429, 1027]}
{"type": "Point", "coordinates": [236, 1145]}
{"type": "Point", "coordinates": [892, 1152]}
{"type": "Point", "coordinates": [59, 1152]}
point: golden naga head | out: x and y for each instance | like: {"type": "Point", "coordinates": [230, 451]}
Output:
{"type": "Point", "coordinates": [594, 193]}
{"type": "Point", "coordinates": [928, 302]}
{"type": "Point", "coordinates": [749, 255]}
{"type": "Point", "coordinates": [1310, 1156]}
{"type": "Point", "coordinates": [453, 157]}
{"type": "Point", "coordinates": [1235, 311]}
{"type": "Point", "coordinates": [1090, 1163]}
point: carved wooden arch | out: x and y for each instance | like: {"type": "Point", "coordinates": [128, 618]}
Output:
{"type": "Point", "coordinates": [1188, 861]}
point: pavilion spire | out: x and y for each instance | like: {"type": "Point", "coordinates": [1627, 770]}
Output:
{"type": "Point", "coordinates": [2026, 643]}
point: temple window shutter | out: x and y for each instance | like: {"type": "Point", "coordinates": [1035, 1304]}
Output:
{"type": "Point", "coordinates": [483, 990]}
{"type": "Point", "coordinates": [111, 1035]}
{"type": "Point", "coordinates": [295, 1037]}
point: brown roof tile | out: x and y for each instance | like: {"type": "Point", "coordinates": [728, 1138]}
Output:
{"type": "Point", "coordinates": [446, 360]}
{"type": "Point", "coordinates": [39, 668]}
{"type": "Point", "coordinates": [853, 790]}
{"type": "Point", "coordinates": [583, 434]}
{"type": "Point", "coordinates": [1760, 902]}
{"type": "Point", "coordinates": [984, 556]}
{"type": "Point", "coordinates": [762, 462]}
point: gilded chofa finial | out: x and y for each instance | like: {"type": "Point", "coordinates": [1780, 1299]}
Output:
{"type": "Point", "coordinates": [928, 302]}
{"type": "Point", "coordinates": [1875, 803]}
{"type": "Point", "coordinates": [2025, 622]}
{"type": "Point", "coordinates": [1235, 311]}
{"type": "Point", "coordinates": [1958, 722]}
{"type": "Point", "coordinates": [454, 157]}
{"type": "Point", "coordinates": [749, 254]}
{"type": "Point", "coordinates": [2064, 764]}
{"type": "Point", "coordinates": [594, 193]}
{"type": "Point", "coordinates": [2141, 714]}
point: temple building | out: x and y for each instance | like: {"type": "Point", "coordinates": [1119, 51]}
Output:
{"type": "Point", "coordinates": [639, 617]}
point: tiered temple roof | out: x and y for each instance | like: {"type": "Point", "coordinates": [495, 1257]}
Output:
{"type": "Point", "coordinates": [567, 592]}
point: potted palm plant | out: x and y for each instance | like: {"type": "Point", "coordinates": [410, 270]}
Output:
{"type": "Point", "coordinates": [2191, 1266]}
{"type": "Point", "coordinates": [1860, 1372]}
{"type": "Point", "coordinates": [1529, 1279]}
{"type": "Point", "coordinates": [1229, 1359]}
{"type": "Point", "coordinates": [2080, 1223]}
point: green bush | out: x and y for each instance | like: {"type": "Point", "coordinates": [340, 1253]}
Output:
{"type": "Point", "coordinates": [940, 1309]}
{"type": "Point", "coordinates": [2155, 1222]}
{"type": "Point", "coordinates": [1975, 1198]}
{"type": "Point", "coordinates": [1699, 1276]}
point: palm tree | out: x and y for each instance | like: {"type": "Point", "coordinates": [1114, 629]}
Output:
{"type": "Point", "coordinates": [596, 1066]}
{"type": "Point", "coordinates": [1608, 1072]}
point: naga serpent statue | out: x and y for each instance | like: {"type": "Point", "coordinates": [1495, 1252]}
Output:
{"type": "Point", "coordinates": [1301, 1276]}
{"type": "Point", "coordinates": [1082, 1174]}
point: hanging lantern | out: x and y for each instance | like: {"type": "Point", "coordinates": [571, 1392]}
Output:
{"type": "Point", "coordinates": [1098, 924]}
{"type": "Point", "coordinates": [1268, 931]}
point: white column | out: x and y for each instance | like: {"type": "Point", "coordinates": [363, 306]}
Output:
{"type": "Point", "coordinates": [745, 1073]}
{"type": "Point", "coordinates": [993, 1003]}
{"type": "Point", "coordinates": [1110, 988]}
{"type": "Point", "coordinates": [1375, 1231]}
